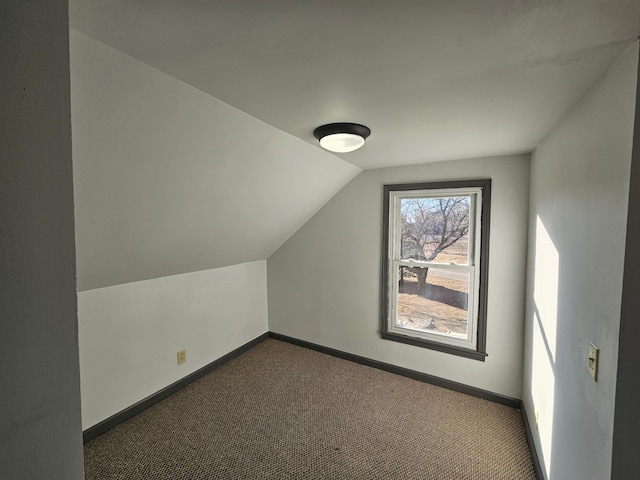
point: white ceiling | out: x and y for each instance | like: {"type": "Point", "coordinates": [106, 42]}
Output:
{"type": "Point", "coordinates": [185, 114]}
{"type": "Point", "coordinates": [434, 80]}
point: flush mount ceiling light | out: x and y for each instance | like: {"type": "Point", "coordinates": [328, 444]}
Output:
{"type": "Point", "coordinates": [341, 137]}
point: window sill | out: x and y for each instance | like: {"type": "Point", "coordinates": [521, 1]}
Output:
{"type": "Point", "coordinates": [441, 347]}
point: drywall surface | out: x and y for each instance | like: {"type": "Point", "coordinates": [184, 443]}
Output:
{"type": "Point", "coordinates": [40, 431]}
{"type": "Point", "coordinates": [130, 334]}
{"type": "Point", "coordinates": [324, 282]}
{"type": "Point", "coordinates": [578, 211]}
{"type": "Point", "coordinates": [170, 180]}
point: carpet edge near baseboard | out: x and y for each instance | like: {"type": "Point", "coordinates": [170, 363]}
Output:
{"type": "Point", "coordinates": [107, 424]}
{"type": "Point", "coordinates": [405, 372]}
{"type": "Point", "coordinates": [438, 381]}
{"type": "Point", "coordinates": [535, 459]}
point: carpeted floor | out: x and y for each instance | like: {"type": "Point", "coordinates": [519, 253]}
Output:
{"type": "Point", "coordinates": [280, 411]}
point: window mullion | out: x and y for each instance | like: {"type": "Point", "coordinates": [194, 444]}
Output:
{"type": "Point", "coordinates": [419, 264]}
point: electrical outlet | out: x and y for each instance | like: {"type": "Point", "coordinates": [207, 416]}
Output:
{"type": "Point", "coordinates": [182, 357]}
{"type": "Point", "coordinates": [537, 415]}
{"type": "Point", "coordinates": [592, 361]}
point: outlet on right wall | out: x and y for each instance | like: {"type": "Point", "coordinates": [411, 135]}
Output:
{"type": "Point", "coordinates": [578, 219]}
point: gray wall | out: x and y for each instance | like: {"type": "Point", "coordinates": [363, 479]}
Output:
{"type": "Point", "coordinates": [626, 442]}
{"type": "Point", "coordinates": [40, 431]}
{"type": "Point", "coordinates": [324, 282]}
{"type": "Point", "coordinates": [578, 213]}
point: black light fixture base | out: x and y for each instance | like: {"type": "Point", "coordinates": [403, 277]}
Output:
{"type": "Point", "coordinates": [333, 128]}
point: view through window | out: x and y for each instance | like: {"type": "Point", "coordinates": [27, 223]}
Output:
{"type": "Point", "coordinates": [434, 265]}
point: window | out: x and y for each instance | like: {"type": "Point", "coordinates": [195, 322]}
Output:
{"type": "Point", "coordinates": [434, 266]}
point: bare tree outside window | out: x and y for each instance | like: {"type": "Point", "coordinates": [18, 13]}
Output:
{"type": "Point", "coordinates": [429, 227]}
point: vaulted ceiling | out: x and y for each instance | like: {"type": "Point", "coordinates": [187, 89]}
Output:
{"type": "Point", "coordinates": [193, 120]}
{"type": "Point", "coordinates": [433, 79]}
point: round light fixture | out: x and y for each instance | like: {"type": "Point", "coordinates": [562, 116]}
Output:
{"type": "Point", "coordinates": [341, 137]}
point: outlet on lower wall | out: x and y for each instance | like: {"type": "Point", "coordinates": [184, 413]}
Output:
{"type": "Point", "coordinates": [182, 357]}
{"type": "Point", "coordinates": [537, 415]}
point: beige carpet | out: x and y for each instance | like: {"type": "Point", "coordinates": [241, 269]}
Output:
{"type": "Point", "coordinates": [280, 411]}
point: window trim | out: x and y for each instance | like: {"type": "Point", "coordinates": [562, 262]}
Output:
{"type": "Point", "coordinates": [479, 353]}
{"type": "Point", "coordinates": [471, 266]}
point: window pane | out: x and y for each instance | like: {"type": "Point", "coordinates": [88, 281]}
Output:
{"type": "Point", "coordinates": [435, 229]}
{"type": "Point", "coordinates": [433, 300]}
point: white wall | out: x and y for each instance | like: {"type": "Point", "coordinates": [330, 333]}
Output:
{"type": "Point", "coordinates": [169, 180]}
{"type": "Point", "coordinates": [324, 282]}
{"type": "Point", "coordinates": [130, 333]}
{"type": "Point", "coordinates": [578, 209]}
{"type": "Point", "coordinates": [40, 431]}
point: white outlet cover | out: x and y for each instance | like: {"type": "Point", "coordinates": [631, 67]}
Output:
{"type": "Point", "coordinates": [592, 360]}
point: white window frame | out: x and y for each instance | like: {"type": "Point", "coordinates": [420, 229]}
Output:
{"type": "Point", "coordinates": [473, 344]}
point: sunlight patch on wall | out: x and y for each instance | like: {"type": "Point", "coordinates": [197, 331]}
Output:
{"type": "Point", "coordinates": [545, 290]}
{"type": "Point", "coordinates": [543, 379]}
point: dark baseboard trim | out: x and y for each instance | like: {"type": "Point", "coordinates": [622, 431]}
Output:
{"type": "Point", "coordinates": [532, 446]}
{"type": "Point", "coordinates": [109, 423]}
{"type": "Point", "coordinates": [100, 428]}
{"type": "Point", "coordinates": [405, 372]}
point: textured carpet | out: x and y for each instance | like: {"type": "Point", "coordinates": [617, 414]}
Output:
{"type": "Point", "coordinates": [280, 411]}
